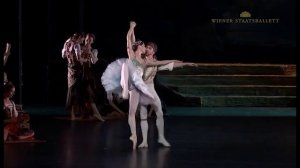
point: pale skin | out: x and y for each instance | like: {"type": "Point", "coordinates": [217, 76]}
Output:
{"type": "Point", "coordinates": [141, 50]}
{"type": "Point", "coordinates": [150, 57]}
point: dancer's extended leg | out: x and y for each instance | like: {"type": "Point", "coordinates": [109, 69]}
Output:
{"type": "Point", "coordinates": [133, 103]}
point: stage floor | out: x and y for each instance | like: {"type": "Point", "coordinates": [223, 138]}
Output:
{"type": "Point", "coordinates": [206, 142]}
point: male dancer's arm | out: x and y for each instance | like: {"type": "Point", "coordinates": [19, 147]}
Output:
{"type": "Point", "coordinates": [170, 67]}
{"type": "Point", "coordinates": [159, 63]}
{"type": "Point", "coordinates": [173, 65]}
{"type": "Point", "coordinates": [183, 64]}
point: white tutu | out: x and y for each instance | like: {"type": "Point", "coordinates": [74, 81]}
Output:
{"type": "Point", "coordinates": [111, 79]}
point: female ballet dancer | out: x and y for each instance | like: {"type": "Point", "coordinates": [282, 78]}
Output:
{"type": "Point", "coordinates": [124, 76]}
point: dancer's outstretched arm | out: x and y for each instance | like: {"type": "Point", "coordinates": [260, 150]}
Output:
{"type": "Point", "coordinates": [130, 39]}
{"type": "Point", "coordinates": [173, 65]}
{"type": "Point", "coordinates": [183, 64]}
{"type": "Point", "coordinates": [163, 62]}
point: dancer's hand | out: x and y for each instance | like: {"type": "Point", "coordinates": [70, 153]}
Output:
{"type": "Point", "coordinates": [191, 64]}
{"type": "Point", "coordinates": [132, 24]}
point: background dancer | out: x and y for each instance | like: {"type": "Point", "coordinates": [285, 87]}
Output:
{"type": "Point", "coordinates": [72, 51]}
{"type": "Point", "coordinates": [88, 57]}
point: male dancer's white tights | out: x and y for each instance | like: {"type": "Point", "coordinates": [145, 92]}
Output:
{"type": "Point", "coordinates": [159, 122]}
{"type": "Point", "coordinates": [134, 97]}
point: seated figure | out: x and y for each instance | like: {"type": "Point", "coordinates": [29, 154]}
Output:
{"type": "Point", "coordinates": [16, 121]}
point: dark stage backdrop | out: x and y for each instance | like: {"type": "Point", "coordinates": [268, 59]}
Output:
{"type": "Point", "coordinates": [182, 30]}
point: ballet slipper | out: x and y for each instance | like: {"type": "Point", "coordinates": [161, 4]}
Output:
{"type": "Point", "coordinates": [143, 145]}
{"type": "Point", "coordinates": [164, 142]}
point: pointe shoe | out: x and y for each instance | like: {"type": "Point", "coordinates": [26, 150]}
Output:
{"type": "Point", "coordinates": [134, 141]}
{"type": "Point", "coordinates": [143, 145]}
{"type": "Point", "coordinates": [164, 142]}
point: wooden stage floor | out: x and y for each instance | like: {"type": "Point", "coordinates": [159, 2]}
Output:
{"type": "Point", "coordinates": [206, 142]}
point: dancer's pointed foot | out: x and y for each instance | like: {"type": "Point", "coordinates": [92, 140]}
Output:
{"type": "Point", "coordinates": [133, 138]}
{"type": "Point", "coordinates": [143, 145]}
{"type": "Point", "coordinates": [164, 142]}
